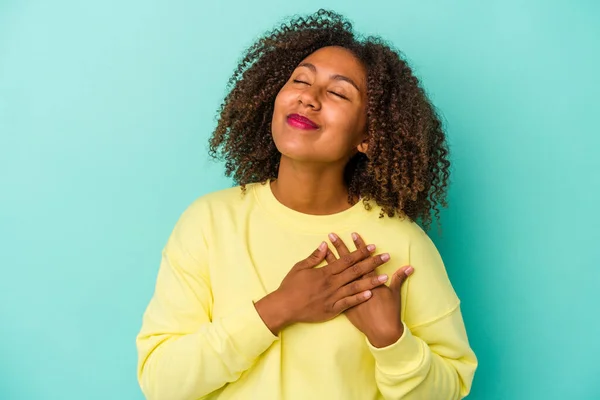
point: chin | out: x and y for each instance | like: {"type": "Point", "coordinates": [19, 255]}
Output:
{"type": "Point", "coordinates": [296, 154]}
{"type": "Point", "coordinates": [294, 146]}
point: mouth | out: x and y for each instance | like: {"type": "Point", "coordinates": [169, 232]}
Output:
{"type": "Point", "coordinates": [301, 122]}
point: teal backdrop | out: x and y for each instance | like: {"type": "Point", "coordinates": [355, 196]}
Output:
{"type": "Point", "coordinates": [105, 112]}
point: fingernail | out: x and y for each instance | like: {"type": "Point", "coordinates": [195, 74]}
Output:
{"type": "Point", "coordinates": [322, 246]}
{"type": "Point", "coordinates": [354, 237]}
{"type": "Point", "coordinates": [408, 271]}
{"type": "Point", "coordinates": [371, 247]}
{"type": "Point", "coordinates": [385, 257]}
{"type": "Point", "coordinates": [332, 237]}
{"type": "Point", "coordinates": [382, 278]}
{"type": "Point", "coordinates": [367, 294]}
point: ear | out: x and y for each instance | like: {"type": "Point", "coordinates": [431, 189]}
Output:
{"type": "Point", "coordinates": [363, 146]}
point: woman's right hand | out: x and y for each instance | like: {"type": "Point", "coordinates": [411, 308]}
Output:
{"type": "Point", "coordinates": [309, 294]}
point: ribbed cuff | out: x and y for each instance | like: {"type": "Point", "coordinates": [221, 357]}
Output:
{"type": "Point", "coordinates": [402, 357]}
{"type": "Point", "coordinates": [247, 332]}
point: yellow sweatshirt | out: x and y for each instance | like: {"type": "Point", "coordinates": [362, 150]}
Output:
{"type": "Point", "coordinates": [202, 338]}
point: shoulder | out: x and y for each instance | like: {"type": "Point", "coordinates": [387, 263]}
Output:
{"type": "Point", "coordinates": [226, 195]}
{"type": "Point", "coordinates": [414, 246]}
{"type": "Point", "coordinates": [220, 203]}
{"type": "Point", "coordinates": [208, 210]}
{"type": "Point", "coordinates": [223, 198]}
{"type": "Point", "coordinates": [428, 294]}
{"type": "Point", "coordinates": [400, 227]}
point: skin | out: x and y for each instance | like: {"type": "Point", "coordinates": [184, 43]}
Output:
{"type": "Point", "coordinates": [312, 163]}
{"type": "Point", "coordinates": [378, 318]}
{"type": "Point", "coordinates": [329, 88]}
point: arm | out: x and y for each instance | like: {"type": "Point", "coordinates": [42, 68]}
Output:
{"type": "Point", "coordinates": [182, 352]}
{"type": "Point", "coordinates": [432, 359]}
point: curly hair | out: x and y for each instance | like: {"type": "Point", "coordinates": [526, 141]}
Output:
{"type": "Point", "coordinates": [406, 167]}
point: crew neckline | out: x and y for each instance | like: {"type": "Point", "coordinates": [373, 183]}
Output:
{"type": "Point", "coordinates": [298, 221]}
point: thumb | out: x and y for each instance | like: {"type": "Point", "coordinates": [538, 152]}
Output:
{"type": "Point", "coordinates": [314, 259]}
{"type": "Point", "coordinates": [399, 278]}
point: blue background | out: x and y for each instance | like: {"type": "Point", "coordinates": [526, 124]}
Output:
{"type": "Point", "coordinates": [105, 112]}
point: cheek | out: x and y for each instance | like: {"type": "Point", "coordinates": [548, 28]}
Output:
{"type": "Point", "coordinates": [281, 104]}
{"type": "Point", "coordinates": [277, 102]}
{"type": "Point", "coordinates": [280, 107]}
{"type": "Point", "coordinates": [346, 119]}
{"type": "Point", "coordinates": [284, 96]}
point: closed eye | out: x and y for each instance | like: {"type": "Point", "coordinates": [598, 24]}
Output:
{"type": "Point", "coordinates": [334, 93]}
{"type": "Point", "coordinates": [339, 95]}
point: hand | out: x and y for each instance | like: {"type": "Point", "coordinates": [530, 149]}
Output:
{"type": "Point", "coordinates": [379, 318]}
{"type": "Point", "coordinates": [309, 294]}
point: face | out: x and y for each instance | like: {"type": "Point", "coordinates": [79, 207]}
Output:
{"type": "Point", "coordinates": [320, 113]}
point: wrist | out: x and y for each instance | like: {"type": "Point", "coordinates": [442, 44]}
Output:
{"type": "Point", "coordinates": [387, 337]}
{"type": "Point", "coordinates": [273, 312]}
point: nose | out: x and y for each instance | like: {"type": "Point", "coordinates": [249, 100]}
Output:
{"type": "Point", "coordinates": [309, 97]}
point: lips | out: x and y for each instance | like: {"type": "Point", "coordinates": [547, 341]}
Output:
{"type": "Point", "coordinates": [298, 121]}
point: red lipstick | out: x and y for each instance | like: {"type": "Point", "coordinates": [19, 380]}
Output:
{"type": "Point", "coordinates": [300, 122]}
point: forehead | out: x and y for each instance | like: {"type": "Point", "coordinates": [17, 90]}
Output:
{"type": "Point", "coordinates": [338, 60]}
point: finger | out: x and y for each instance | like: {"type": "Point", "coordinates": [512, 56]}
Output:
{"type": "Point", "coordinates": [330, 257]}
{"type": "Point", "coordinates": [360, 243]}
{"type": "Point", "coordinates": [351, 301]}
{"type": "Point", "coordinates": [358, 240]}
{"type": "Point", "coordinates": [314, 259]}
{"type": "Point", "coordinates": [339, 244]}
{"type": "Point", "coordinates": [361, 268]}
{"type": "Point", "coordinates": [348, 260]}
{"type": "Point", "coordinates": [361, 285]}
{"type": "Point", "coordinates": [400, 277]}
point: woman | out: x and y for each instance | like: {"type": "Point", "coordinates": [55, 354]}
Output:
{"type": "Point", "coordinates": [329, 138]}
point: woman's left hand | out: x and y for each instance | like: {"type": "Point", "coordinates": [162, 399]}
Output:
{"type": "Point", "coordinates": [379, 317]}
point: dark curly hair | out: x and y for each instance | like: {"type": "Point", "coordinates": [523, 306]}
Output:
{"type": "Point", "coordinates": [406, 168]}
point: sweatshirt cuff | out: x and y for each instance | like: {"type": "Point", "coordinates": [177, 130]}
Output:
{"type": "Point", "coordinates": [247, 332]}
{"type": "Point", "coordinates": [404, 356]}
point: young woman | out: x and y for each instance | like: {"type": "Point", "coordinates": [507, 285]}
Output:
{"type": "Point", "coordinates": [312, 279]}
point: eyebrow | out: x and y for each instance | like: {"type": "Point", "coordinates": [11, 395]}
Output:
{"type": "Point", "coordinates": [336, 77]}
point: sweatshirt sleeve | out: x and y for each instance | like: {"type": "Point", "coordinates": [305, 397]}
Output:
{"type": "Point", "coordinates": [433, 361]}
{"type": "Point", "coordinates": [182, 352]}
{"type": "Point", "coordinates": [433, 358]}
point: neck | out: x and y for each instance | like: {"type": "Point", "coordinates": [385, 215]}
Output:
{"type": "Point", "coordinates": [311, 189]}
